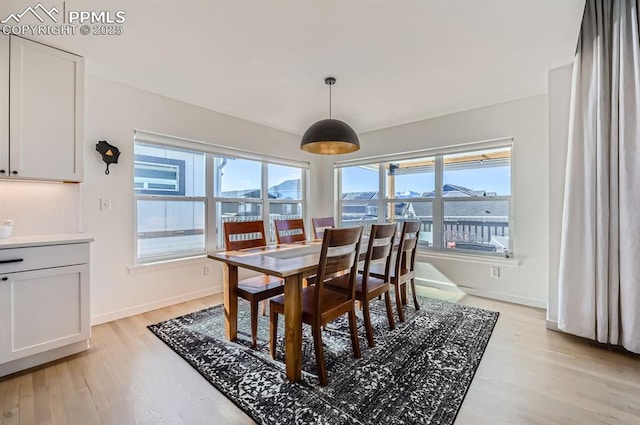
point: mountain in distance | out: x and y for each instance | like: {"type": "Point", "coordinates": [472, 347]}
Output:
{"type": "Point", "coordinates": [408, 194]}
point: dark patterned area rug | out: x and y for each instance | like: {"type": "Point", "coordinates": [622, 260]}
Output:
{"type": "Point", "coordinates": [418, 373]}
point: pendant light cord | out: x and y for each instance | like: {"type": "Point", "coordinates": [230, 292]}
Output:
{"type": "Point", "coordinates": [330, 101]}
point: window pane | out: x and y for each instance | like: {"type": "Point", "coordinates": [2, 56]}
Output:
{"type": "Point", "coordinates": [350, 219]}
{"type": "Point", "coordinates": [407, 210]}
{"type": "Point", "coordinates": [236, 211]}
{"type": "Point", "coordinates": [168, 171]}
{"type": "Point", "coordinates": [279, 211]}
{"type": "Point", "coordinates": [360, 181]}
{"type": "Point", "coordinates": [481, 225]}
{"type": "Point", "coordinates": [410, 179]}
{"type": "Point", "coordinates": [284, 182]}
{"type": "Point", "coordinates": [478, 173]}
{"type": "Point", "coordinates": [170, 228]}
{"type": "Point", "coordinates": [359, 195]}
{"type": "Point", "coordinates": [237, 178]}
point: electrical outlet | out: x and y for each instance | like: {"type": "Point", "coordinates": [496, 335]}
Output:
{"type": "Point", "coordinates": [495, 271]}
{"type": "Point", "coordinates": [206, 269]}
{"type": "Point", "coordinates": [105, 204]}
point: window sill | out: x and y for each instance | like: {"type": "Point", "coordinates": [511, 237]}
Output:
{"type": "Point", "coordinates": [468, 258]}
{"type": "Point", "coordinates": [167, 264]}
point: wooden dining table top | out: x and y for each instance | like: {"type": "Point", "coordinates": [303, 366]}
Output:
{"type": "Point", "coordinates": [281, 260]}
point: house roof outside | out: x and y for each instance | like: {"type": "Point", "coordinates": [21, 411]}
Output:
{"type": "Point", "coordinates": [485, 210]}
{"type": "Point", "coordinates": [288, 189]}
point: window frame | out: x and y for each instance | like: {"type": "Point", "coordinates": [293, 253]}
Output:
{"type": "Point", "coordinates": [214, 240]}
{"type": "Point", "coordinates": [438, 201]}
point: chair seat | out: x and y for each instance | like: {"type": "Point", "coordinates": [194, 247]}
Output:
{"type": "Point", "coordinates": [260, 287]}
{"type": "Point", "coordinates": [375, 286]}
{"type": "Point", "coordinates": [334, 304]}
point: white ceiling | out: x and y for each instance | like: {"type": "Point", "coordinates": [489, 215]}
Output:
{"type": "Point", "coordinates": [395, 61]}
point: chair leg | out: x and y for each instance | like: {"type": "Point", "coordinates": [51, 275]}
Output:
{"type": "Point", "coordinates": [264, 307]}
{"type": "Point", "coordinates": [415, 297]}
{"type": "Point", "coordinates": [317, 345]}
{"type": "Point", "coordinates": [403, 292]}
{"type": "Point", "coordinates": [353, 327]}
{"type": "Point", "coordinates": [273, 331]}
{"type": "Point", "coordinates": [387, 300]}
{"type": "Point", "coordinates": [399, 303]}
{"type": "Point", "coordinates": [254, 324]}
{"type": "Point", "coordinates": [367, 324]}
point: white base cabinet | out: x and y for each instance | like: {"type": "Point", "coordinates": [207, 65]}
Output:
{"type": "Point", "coordinates": [44, 304]}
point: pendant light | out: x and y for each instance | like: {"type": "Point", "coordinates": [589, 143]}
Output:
{"type": "Point", "coordinates": [330, 136]}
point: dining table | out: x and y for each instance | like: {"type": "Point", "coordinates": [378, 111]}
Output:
{"type": "Point", "coordinates": [291, 262]}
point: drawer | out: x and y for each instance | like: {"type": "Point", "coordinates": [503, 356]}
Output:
{"type": "Point", "coordinates": [43, 257]}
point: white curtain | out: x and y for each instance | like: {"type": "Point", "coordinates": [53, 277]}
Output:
{"type": "Point", "coordinates": [599, 282]}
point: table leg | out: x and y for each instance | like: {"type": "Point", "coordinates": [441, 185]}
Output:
{"type": "Point", "coordinates": [293, 326]}
{"type": "Point", "coordinates": [230, 274]}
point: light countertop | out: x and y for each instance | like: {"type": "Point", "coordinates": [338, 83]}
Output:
{"type": "Point", "coordinates": [42, 240]}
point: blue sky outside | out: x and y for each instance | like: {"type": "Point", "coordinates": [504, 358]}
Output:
{"type": "Point", "coordinates": [490, 179]}
{"type": "Point", "coordinates": [240, 174]}
{"type": "Point", "coordinates": [243, 174]}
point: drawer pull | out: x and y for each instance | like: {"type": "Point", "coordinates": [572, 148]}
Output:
{"type": "Point", "coordinates": [15, 260]}
{"type": "Point", "coordinates": [4, 279]}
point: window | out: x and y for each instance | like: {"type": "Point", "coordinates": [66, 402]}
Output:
{"type": "Point", "coordinates": [462, 198]}
{"type": "Point", "coordinates": [170, 202]}
{"type": "Point", "coordinates": [359, 198]}
{"type": "Point", "coordinates": [476, 194]}
{"type": "Point", "coordinates": [183, 196]}
{"type": "Point", "coordinates": [285, 194]}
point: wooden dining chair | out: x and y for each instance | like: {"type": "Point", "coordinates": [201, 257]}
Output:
{"type": "Point", "coordinates": [368, 287]}
{"type": "Point", "coordinates": [403, 271]}
{"type": "Point", "coordinates": [319, 224]}
{"type": "Point", "coordinates": [290, 231]}
{"type": "Point", "coordinates": [321, 305]}
{"type": "Point", "coordinates": [250, 234]}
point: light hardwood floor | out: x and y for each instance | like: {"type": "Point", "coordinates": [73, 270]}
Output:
{"type": "Point", "coordinates": [528, 375]}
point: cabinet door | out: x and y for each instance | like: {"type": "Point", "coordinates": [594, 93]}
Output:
{"type": "Point", "coordinates": [4, 106]}
{"type": "Point", "coordinates": [42, 310]}
{"type": "Point", "coordinates": [47, 107]}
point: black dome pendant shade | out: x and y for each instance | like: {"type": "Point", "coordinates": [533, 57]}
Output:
{"type": "Point", "coordinates": [330, 136]}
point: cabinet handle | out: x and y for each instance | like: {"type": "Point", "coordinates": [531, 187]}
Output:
{"type": "Point", "coordinates": [14, 172]}
{"type": "Point", "coordinates": [15, 260]}
{"type": "Point", "coordinates": [2, 171]}
{"type": "Point", "coordinates": [4, 279]}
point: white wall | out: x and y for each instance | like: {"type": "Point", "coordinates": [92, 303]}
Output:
{"type": "Point", "coordinates": [113, 111]}
{"type": "Point", "coordinates": [526, 121]}
{"type": "Point", "coordinates": [39, 208]}
{"type": "Point", "coordinates": [559, 81]}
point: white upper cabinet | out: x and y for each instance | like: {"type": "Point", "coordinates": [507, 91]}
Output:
{"type": "Point", "coordinates": [45, 138]}
{"type": "Point", "coordinates": [4, 106]}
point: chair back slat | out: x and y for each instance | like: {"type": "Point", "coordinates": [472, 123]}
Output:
{"type": "Point", "coordinates": [290, 231]}
{"type": "Point", "coordinates": [406, 256]}
{"type": "Point", "coordinates": [244, 234]}
{"type": "Point", "coordinates": [339, 263]}
{"type": "Point", "coordinates": [339, 253]}
{"type": "Point", "coordinates": [379, 249]}
{"type": "Point", "coordinates": [320, 224]}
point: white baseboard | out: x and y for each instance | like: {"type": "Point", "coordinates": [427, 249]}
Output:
{"type": "Point", "coordinates": [553, 325]}
{"type": "Point", "coordinates": [516, 299]}
{"type": "Point", "coordinates": [42, 358]}
{"type": "Point", "coordinates": [438, 285]}
{"type": "Point", "coordinates": [154, 305]}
